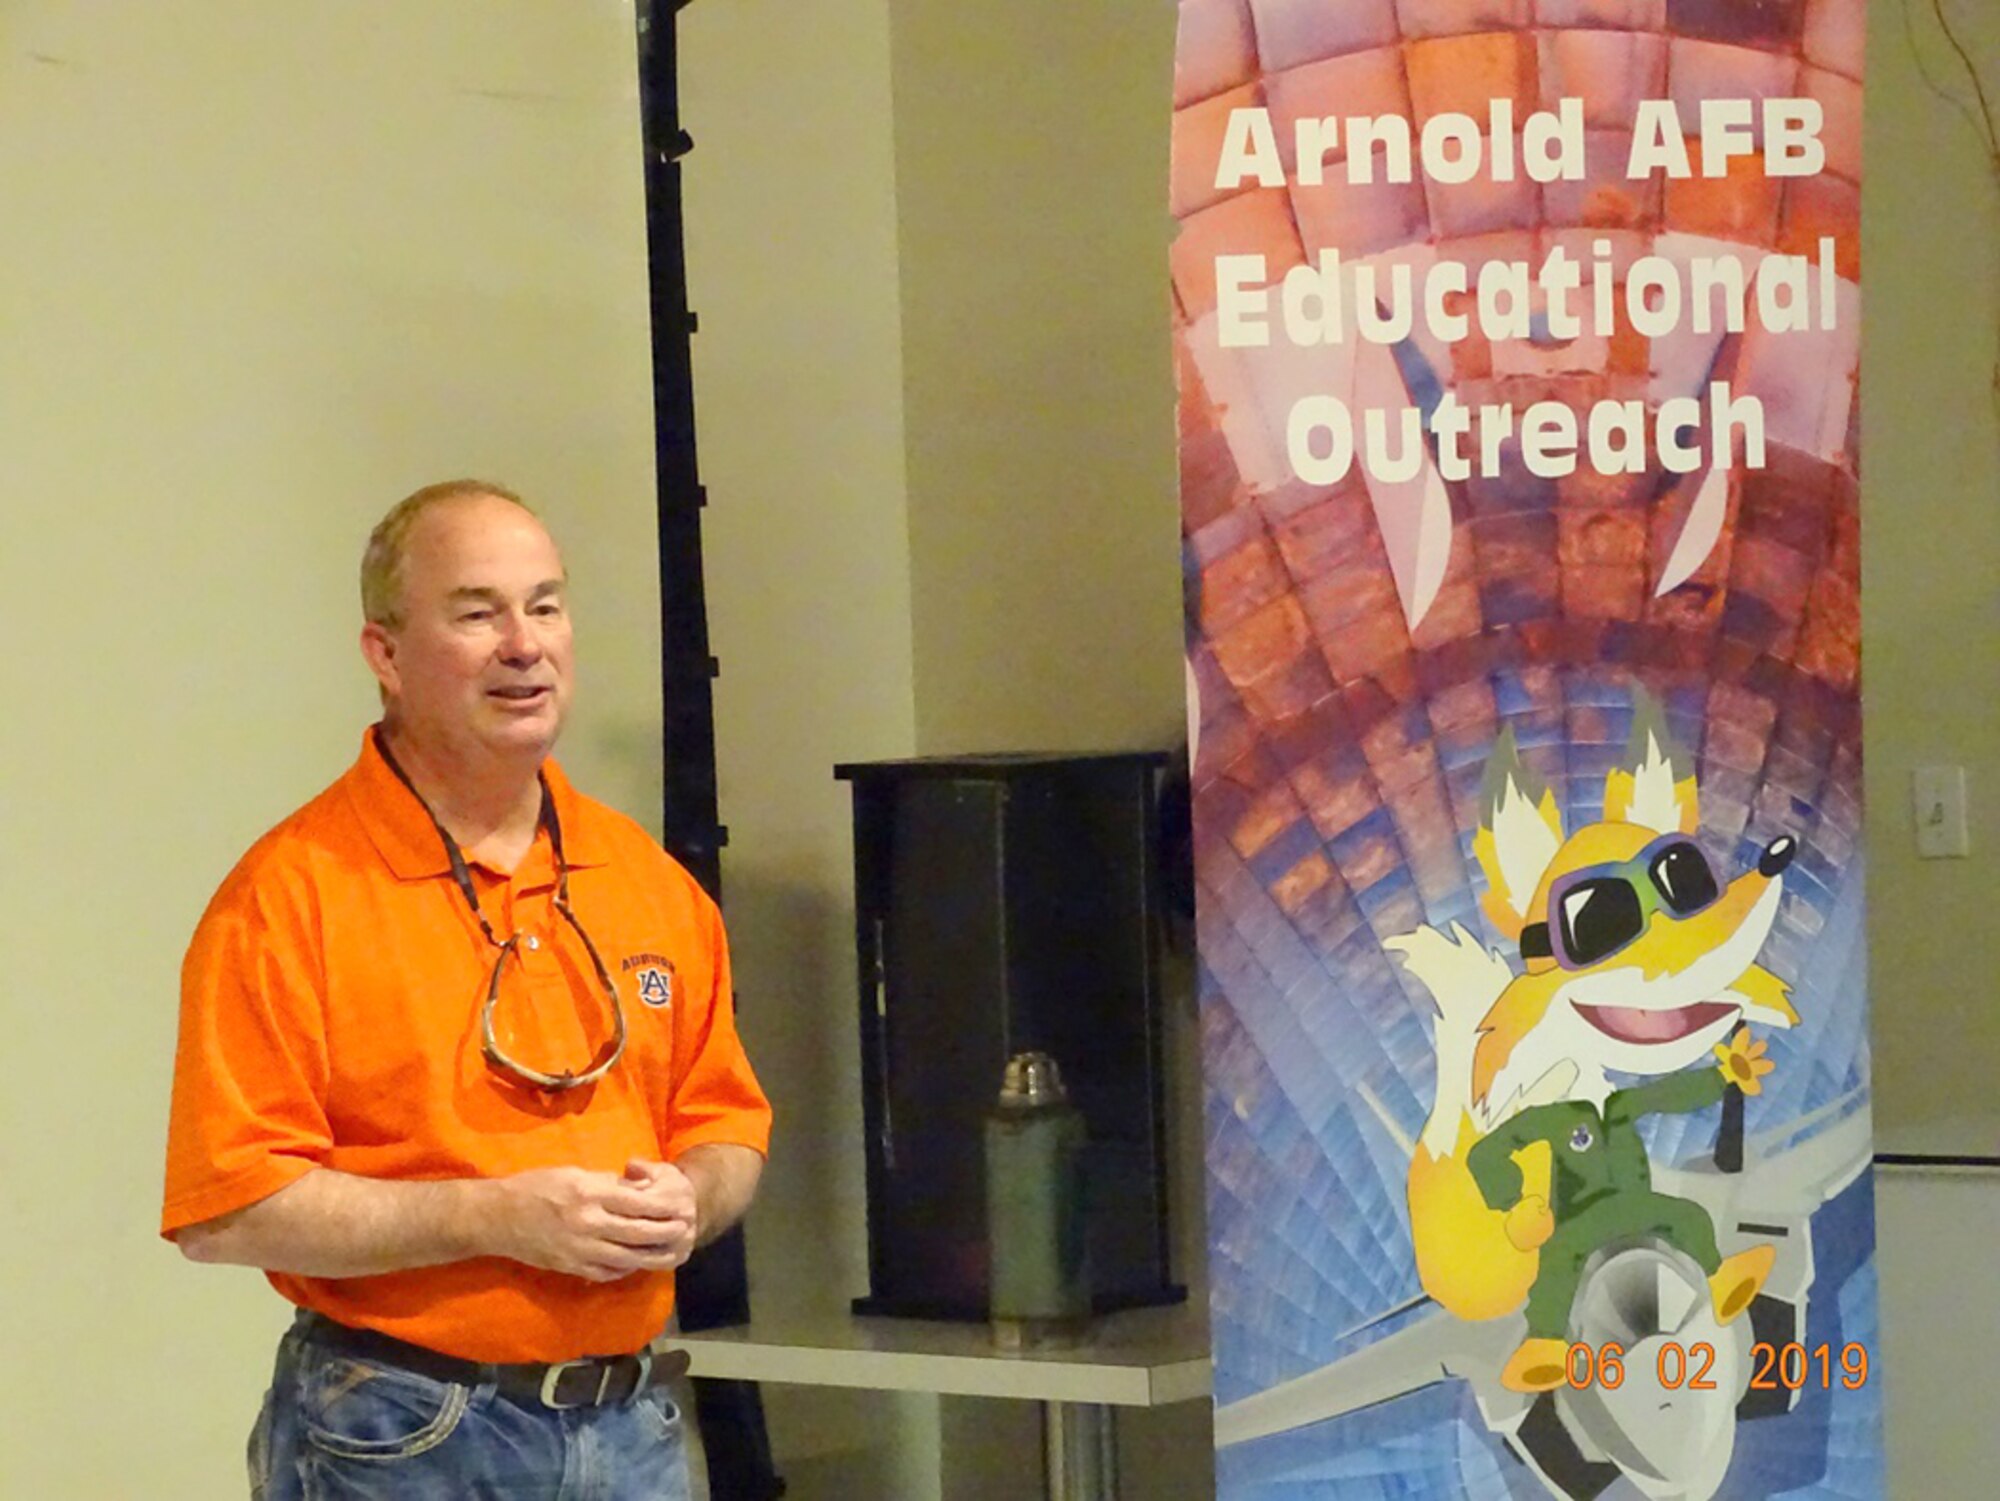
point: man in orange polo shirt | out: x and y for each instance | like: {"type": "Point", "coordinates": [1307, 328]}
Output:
{"type": "Point", "coordinates": [458, 1067]}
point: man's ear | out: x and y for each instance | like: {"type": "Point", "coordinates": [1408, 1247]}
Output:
{"type": "Point", "coordinates": [378, 650]}
{"type": "Point", "coordinates": [1653, 784]}
{"type": "Point", "coordinates": [1520, 830]}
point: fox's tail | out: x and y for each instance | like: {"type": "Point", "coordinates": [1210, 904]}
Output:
{"type": "Point", "coordinates": [1464, 1258]}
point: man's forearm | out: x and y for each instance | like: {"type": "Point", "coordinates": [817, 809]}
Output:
{"type": "Point", "coordinates": [334, 1224]}
{"type": "Point", "coordinates": [725, 1181]}
{"type": "Point", "coordinates": [571, 1220]}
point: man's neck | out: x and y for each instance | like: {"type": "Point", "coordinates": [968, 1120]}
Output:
{"type": "Point", "coordinates": [490, 806]}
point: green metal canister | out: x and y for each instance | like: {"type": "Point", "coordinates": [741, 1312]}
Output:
{"type": "Point", "coordinates": [1036, 1214]}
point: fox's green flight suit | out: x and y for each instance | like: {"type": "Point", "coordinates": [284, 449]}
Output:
{"type": "Point", "coordinates": [1600, 1184]}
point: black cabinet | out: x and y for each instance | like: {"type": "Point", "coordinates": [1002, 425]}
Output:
{"type": "Point", "coordinates": [1007, 903]}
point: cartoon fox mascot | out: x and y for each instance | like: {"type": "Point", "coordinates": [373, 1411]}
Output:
{"type": "Point", "coordinates": [1636, 961]}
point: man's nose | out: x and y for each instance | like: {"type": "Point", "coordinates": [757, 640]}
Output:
{"type": "Point", "coordinates": [518, 641]}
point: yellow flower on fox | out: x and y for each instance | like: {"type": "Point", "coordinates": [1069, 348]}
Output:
{"type": "Point", "coordinates": [1743, 1062]}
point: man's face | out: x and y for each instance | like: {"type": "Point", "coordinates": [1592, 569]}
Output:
{"type": "Point", "coordinates": [481, 663]}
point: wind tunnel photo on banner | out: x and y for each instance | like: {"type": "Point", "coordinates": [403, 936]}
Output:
{"type": "Point", "coordinates": [1517, 345]}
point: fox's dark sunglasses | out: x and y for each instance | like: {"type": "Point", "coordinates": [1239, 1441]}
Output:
{"type": "Point", "coordinates": [1598, 910]}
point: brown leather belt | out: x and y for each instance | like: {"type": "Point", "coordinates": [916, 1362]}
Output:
{"type": "Point", "coordinates": [591, 1382]}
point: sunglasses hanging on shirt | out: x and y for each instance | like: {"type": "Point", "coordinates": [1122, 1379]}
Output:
{"type": "Point", "coordinates": [496, 1056]}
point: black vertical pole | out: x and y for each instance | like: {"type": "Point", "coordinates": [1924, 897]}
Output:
{"type": "Point", "coordinates": [692, 833]}
{"type": "Point", "coordinates": [713, 1288]}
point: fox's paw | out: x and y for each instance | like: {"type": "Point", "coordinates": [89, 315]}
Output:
{"type": "Point", "coordinates": [1539, 1365]}
{"type": "Point", "coordinates": [1743, 1062]}
{"type": "Point", "coordinates": [1529, 1223]}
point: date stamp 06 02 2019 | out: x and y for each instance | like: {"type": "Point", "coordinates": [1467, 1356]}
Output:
{"type": "Point", "coordinates": [1789, 1367]}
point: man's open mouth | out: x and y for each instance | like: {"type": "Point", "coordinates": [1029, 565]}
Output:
{"type": "Point", "coordinates": [1634, 1024]}
{"type": "Point", "coordinates": [517, 695]}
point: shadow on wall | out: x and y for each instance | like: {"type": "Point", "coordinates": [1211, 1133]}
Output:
{"type": "Point", "coordinates": [627, 753]}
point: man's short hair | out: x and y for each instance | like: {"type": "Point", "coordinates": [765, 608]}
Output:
{"type": "Point", "coordinates": [382, 559]}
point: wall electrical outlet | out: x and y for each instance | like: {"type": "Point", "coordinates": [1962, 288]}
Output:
{"type": "Point", "coordinates": [1939, 793]}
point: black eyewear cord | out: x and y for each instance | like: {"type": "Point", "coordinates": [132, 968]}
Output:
{"type": "Point", "coordinates": [496, 1056]}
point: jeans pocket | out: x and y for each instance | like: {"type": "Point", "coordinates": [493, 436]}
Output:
{"type": "Point", "coordinates": [359, 1410]}
{"type": "Point", "coordinates": [660, 1411]}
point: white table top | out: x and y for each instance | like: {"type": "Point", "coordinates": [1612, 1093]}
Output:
{"type": "Point", "coordinates": [1148, 1357]}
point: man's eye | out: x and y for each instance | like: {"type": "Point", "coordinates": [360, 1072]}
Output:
{"type": "Point", "coordinates": [471, 615]}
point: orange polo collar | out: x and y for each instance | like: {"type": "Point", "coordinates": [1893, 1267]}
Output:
{"type": "Point", "coordinates": [408, 842]}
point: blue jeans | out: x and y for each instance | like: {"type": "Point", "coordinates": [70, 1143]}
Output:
{"type": "Point", "coordinates": [336, 1428]}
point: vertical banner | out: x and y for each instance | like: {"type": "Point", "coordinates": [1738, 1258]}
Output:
{"type": "Point", "coordinates": [1517, 350]}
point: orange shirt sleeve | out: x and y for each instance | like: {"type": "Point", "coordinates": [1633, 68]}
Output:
{"type": "Point", "coordinates": [716, 1095]}
{"type": "Point", "coordinates": [250, 1071]}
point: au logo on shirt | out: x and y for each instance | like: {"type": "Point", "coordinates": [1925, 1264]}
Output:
{"type": "Point", "coordinates": [656, 978]}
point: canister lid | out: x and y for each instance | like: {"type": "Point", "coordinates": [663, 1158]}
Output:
{"type": "Point", "coordinates": [1032, 1079]}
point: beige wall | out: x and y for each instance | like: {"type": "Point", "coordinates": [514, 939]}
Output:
{"type": "Point", "coordinates": [791, 207]}
{"type": "Point", "coordinates": [1031, 169]}
{"type": "Point", "coordinates": [267, 268]}
{"type": "Point", "coordinates": [1031, 156]}
{"type": "Point", "coordinates": [1931, 582]}
{"type": "Point", "coordinates": [1931, 639]}
{"type": "Point", "coordinates": [932, 399]}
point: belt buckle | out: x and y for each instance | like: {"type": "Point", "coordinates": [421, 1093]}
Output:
{"type": "Point", "coordinates": [552, 1378]}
